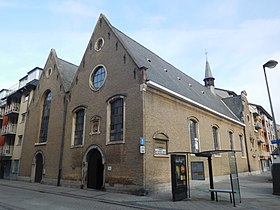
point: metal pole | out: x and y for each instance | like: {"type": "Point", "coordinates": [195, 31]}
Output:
{"type": "Point", "coordinates": [211, 176]}
{"type": "Point", "coordinates": [272, 113]}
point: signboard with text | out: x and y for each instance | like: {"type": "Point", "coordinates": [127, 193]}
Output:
{"type": "Point", "coordinates": [275, 141]}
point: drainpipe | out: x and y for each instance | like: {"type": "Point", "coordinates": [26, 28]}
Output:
{"type": "Point", "coordinates": [62, 141]}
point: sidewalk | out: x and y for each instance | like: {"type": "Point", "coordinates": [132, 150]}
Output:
{"type": "Point", "coordinates": [256, 193]}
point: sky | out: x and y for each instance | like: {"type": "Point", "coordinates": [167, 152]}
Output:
{"type": "Point", "coordinates": [239, 36]}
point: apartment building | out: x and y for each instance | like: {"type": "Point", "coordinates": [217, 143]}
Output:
{"type": "Point", "coordinates": [14, 106]}
{"type": "Point", "coordinates": [265, 132]}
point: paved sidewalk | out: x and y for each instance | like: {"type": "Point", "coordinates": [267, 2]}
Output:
{"type": "Point", "coordinates": [256, 193]}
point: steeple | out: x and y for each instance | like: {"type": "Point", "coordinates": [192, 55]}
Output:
{"type": "Point", "coordinates": [209, 79]}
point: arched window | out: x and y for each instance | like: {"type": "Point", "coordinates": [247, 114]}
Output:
{"type": "Point", "coordinates": [115, 123]}
{"type": "Point", "coordinates": [45, 117]}
{"type": "Point", "coordinates": [160, 143]}
{"type": "Point", "coordinates": [242, 145]}
{"type": "Point", "coordinates": [193, 126]}
{"type": "Point", "coordinates": [231, 144]}
{"type": "Point", "coordinates": [78, 125]}
{"type": "Point", "coordinates": [116, 126]}
{"type": "Point", "coordinates": [215, 132]}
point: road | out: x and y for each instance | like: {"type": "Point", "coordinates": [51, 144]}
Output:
{"type": "Point", "coordinates": [256, 194]}
{"type": "Point", "coordinates": [12, 198]}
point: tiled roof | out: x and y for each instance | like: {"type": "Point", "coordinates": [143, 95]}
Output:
{"type": "Point", "coordinates": [166, 75]}
{"type": "Point", "coordinates": [67, 71]}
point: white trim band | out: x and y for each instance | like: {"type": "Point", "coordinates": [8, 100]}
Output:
{"type": "Point", "coordinates": [171, 92]}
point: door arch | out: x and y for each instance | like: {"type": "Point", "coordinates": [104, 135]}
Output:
{"type": "Point", "coordinates": [39, 165]}
{"type": "Point", "coordinates": [93, 168]}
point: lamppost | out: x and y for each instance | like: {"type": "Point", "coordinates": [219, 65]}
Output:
{"type": "Point", "coordinates": [271, 64]}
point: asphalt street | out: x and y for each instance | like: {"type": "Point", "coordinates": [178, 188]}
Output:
{"type": "Point", "coordinates": [256, 194]}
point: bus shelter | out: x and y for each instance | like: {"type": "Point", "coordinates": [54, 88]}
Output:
{"type": "Point", "coordinates": [180, 173]}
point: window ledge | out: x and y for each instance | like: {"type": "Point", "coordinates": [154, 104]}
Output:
{"type": "Point", "coordinates": [94, 133]}
{"type": "Point", "coordinates": [218, 156]}
{"type": "Point", "coordinates": [115, 142]}
{"type": "Point", "coordinates": [40, 144]}
{"type": "Point", "coordinates": [161, 156]}
{"type": "Point", "coordinates": [76, 146]}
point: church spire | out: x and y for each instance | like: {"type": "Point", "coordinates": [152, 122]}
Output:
{"type": "Point", "coordinates": [209, 79]}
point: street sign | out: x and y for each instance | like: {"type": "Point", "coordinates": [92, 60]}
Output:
{"type": "Point", "coordinates": [142, 149]}
{"type": "Point", "coordinates": [142, 141]}
{"type": "Point", "coordinates": [275, 141]}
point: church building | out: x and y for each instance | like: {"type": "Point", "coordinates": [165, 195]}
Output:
{"type": "Point", "coordinates": [112, 122]}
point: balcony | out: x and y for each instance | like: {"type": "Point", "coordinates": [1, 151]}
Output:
{"type": "Point", "coordinates": [9, 129]}
{"type": "Point", "coordinates": [7, 150]}
{"type": "Point", "coordinates": [12, 108]}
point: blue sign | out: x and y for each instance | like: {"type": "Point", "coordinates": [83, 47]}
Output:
{"type": "Point", "coordinates": [275, 141]}
{"type": "Point", "coordinates": [142, 141]}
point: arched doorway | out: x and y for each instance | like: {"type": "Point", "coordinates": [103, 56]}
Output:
{"type": "Point", "coordinates": [38, 167]}
{"type": "Point", "coordinates": [95, 169]}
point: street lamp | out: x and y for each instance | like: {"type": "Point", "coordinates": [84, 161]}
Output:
{"type": "Point", "coordinates": [271, 64]}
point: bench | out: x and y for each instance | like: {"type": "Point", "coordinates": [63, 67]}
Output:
{"type": "Point", "coordinates": [230, 192]}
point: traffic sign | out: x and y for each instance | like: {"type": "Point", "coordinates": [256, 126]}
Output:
{"type": "Point", "coordinates": [275, 141]}
{"type": "Point", "coordinates": [142, 141]}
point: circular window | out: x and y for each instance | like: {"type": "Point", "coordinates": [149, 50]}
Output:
{"type": "Point", "coordinates": [99, 44]}
{"type": "Point", "coordinates": [97, 77]}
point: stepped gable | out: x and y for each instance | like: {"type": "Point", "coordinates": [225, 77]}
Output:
{"type": "Point", "coordinates": [163, 73]}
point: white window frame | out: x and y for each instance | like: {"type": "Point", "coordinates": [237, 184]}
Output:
{"type": "Point", "coordinates": [74, 127]}
{"type": "Point", "coordinates": [231, 140]}
{"type": "Point", "coordinates": [218, 139]}
{"type": "Point", "coordinates": [242, 146]}
{"type": "Point", "coordinates": [161, 137]}
{"type": "Point", "coordinates": [91, 85]}
{"type": "Point", "coordinates": [108, 124]}
{"type": "Point", "coordinates": [197, 139]}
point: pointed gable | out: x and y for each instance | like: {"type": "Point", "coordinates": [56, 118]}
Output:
{"type": "Point", "coordinates": [162, 74]}
{"type": "Point", "coordinates": [66, 70]}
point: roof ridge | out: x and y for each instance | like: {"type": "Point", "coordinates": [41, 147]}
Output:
{"type": "Point", "coordinates": [67, 62]}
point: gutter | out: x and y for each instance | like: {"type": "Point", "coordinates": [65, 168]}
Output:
{"type": "Point", "coordinates": [183, 98]}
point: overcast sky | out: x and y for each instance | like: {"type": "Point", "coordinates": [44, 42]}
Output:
{"type": "Point", "coordinates": [239, 36]}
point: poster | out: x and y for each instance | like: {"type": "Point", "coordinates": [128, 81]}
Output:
{"type": "Point", "coordinates": [179, 177]}
{"type": "Point", "coordinates": [197, 170]}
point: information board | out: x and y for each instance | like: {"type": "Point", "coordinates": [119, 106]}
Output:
{"type": "Point", "coordinates": [197, 170]}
